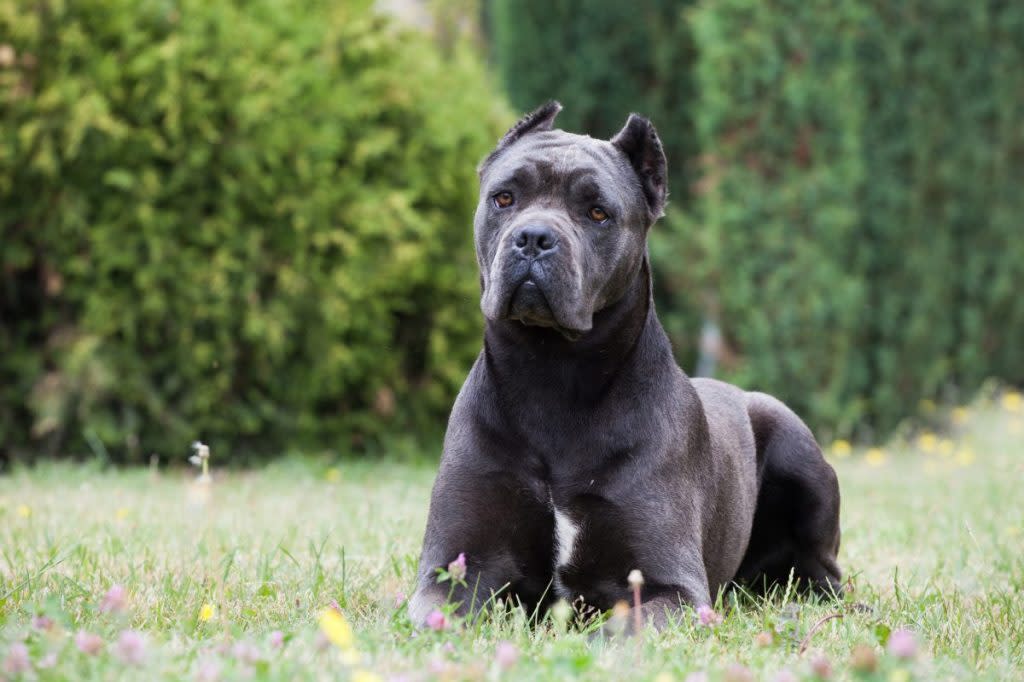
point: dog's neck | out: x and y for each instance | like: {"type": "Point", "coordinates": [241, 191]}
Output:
{"type": "Point", "coordinates": [584, 368]}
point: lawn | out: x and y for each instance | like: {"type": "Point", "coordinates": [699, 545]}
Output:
{"type": "Point", "coordinates": [108, 574]}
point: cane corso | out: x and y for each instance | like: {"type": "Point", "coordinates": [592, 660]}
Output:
{"type": "Point", "coordinates": [577, 450]}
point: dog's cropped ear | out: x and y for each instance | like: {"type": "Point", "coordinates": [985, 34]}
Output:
{"type": "Point", "coordinates": [639, 141]}
{"type": "Point", "coordinates": [541, 118]}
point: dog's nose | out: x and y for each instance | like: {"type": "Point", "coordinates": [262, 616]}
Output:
{"type": "Point", "coordinates": [535, 240]}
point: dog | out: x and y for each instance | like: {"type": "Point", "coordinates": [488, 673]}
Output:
{"type": "Point", "coordinates": [577, 449]}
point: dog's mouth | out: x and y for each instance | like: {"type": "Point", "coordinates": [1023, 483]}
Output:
{"type": "Point", "coordinates": [529, 305]}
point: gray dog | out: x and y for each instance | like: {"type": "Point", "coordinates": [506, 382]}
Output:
{"type": "Point", "coordinates": [577, 449]}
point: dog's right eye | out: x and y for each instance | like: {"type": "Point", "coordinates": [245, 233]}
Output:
{"type": "Point", "coordinates": [503, 199]}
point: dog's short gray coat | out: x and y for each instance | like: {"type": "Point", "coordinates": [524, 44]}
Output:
{"type": "Point", "coordinates": [577, 449]}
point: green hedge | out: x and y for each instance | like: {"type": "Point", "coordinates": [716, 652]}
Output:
{"type": "Point", "coordinates": [246, 222]}
{"type": "Point", "coordinates": [862, 193]}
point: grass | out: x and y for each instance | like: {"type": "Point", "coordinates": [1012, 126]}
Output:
{"type": "Point", "coordinates": [932, 543]}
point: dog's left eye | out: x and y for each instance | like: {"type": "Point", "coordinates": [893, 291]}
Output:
{"type": "Point", "coordinates": [597, 214]}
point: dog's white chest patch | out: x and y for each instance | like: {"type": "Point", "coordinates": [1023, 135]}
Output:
{"type": "Point", "coordinates": [565, 545]}
{"type": "Point", "coordinates": [565, 538]}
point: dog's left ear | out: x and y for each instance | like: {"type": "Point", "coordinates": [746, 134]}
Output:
{"type": "Point", "coordinates": [639, 141]}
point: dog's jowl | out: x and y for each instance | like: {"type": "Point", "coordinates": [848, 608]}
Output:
{"type": "Point", "coordinates": [577, 449]}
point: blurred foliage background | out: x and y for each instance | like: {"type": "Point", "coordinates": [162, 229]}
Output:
{"type": "Point", "coordinates": [250, 222]}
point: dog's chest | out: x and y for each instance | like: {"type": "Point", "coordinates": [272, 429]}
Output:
{"type": "Point", "coordinates": [590, 549]}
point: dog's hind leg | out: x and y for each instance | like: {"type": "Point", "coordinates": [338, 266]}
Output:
{"type": "Point", "coordinates": [796, 525]}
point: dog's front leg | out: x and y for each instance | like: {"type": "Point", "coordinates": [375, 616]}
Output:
{"type": "Point", "coordinates": [502, 527]}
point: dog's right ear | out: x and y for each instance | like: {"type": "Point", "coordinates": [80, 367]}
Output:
{"type": "Point", "coordinates": [541, 118]}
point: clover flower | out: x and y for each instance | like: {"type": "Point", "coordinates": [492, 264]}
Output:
{"type": "Point", "coordinates": [506, 655]}
{"type": "Point", "coordinates": [436, 620]}
{"type": "Point", "coordinates": [707, 616]}
{"type": "Point", "coordinates": [821, 667]}
{"type": "Point", "coordinates": [276, 639]}
{"type": "Point", "coordinates": [208, 671]}
{"type": "Point", "coordinates": [42, 623]}
{"type": "Point", "coordinates": [457, 568]}
{"type": "Point", "coordinates": [131, 647]}
{"type": "Point", "coordinates": [88, 643]}
{"type": "Point", "coordinates": [863, 659]}
{"type": "Point", "coordinates": [903, 644]}
{"type": "Point", "coordinates": [18, 660]}
{"type": "Point", "coordinates": [245, 652]}
{"type": "Point", "coordinates": [115, 600]}
{"type": "Point", "coordinates": [738, 673]}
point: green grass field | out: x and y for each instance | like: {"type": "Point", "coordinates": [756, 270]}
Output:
{"type": "Point", "coordinates": [230, 581]}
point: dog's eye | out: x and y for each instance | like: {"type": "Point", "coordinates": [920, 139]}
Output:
{"type": "Point", "coordinates": [503, 199]}
{"type": "Point", "coordinates": [597, 214]}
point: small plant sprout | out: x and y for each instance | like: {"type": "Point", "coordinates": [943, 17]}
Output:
{"type": "Point", "coordinates": [560, 613]}
{"type": "Point", "coordinates": [636, 581]}
{"type": "Point", "coordinates": [201, 458]}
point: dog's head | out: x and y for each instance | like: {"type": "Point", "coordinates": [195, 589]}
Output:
{"type": "Point", "coordinates": [562, 222]}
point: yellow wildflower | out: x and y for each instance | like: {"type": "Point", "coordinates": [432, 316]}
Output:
{"type": "Point", "coordinates": [875, 457]}
{"type": "Point", "coordinates": [841, 448]}
{"type": "Point", "coordinates": [964, 457]}
{"type": "Point", "coordinates": [365, 676]}
{"type": "Point", "coordinates": [664, 677]}
{"type": "Point", "coordinates": [927, 441]}
{"type": "Point", "coordinates": [206, 612]}
{"type": "Point", "coordinates": [1012, 401]}
{"type": "Point", "coordinates": [24, 511]}
{"type": "Point", "coordinates": [122, 513]}
{"type": "Point", "coordinates": [337, 630]}
{"type": "Point", "coordinates": [333, 475]}
{"type": "Point", "coordinates": [945, 447]}
{"type": "Point", "coordinates": [927, 405]}
{"type": "Point", "coordinates": [960, 415]}
{"type": "Point", "coordinates": [899, 675]}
